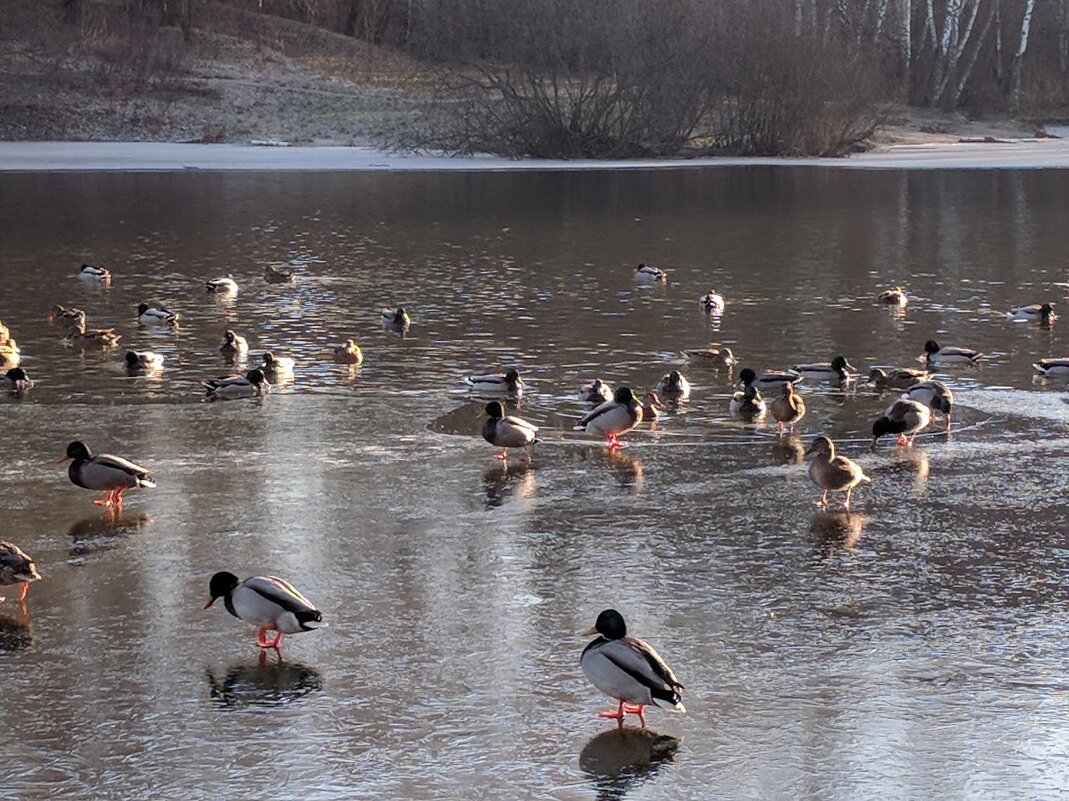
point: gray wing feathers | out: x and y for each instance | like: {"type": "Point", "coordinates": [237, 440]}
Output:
{"type": "Point", "coordinates": [280, 593]}
{"type": "Point", "coordinates": [639, 660]}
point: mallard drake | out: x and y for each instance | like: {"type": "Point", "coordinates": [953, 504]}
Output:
{"type": "Point", "coordinates": [276, 367]}
{"type": "Point", "coordinates": [768, 380]}
{"type": "Point", "coordinates": [507, 432]}
{"type": "Point", "coordinates": [71, 319]}
{"type": "Point", "coordinates": [673, 386]}
{"type": "Point", "coordinates": [747, 402]}
{"type": "Point", "coordinates": [651, 407]}
{"type": "Point", "coordinates": [91, 273]}
{"type": "Point", "coordinates": [251, 385]}
{"type": "Point", "coordinates": [648, 274]}
{"type": "Point", "coordinates": [627, 670]}
{"type": "Point", "coordinates": [348, 353]}
{"type": "Point", "coordinates": [15, 380]}
{"type": "Point", "coordinates": [141, 361]}
{"type": "Point", "coordinates": [595, 392]}
{"type": "Point", "coordinates": [16, 567]}
{"type": "Point", "coordinates": [155, 315]}
{"type": "Point", "coordinates": [269, 602]}
{"type": "Point", "coordinates": [896, 296]}
{"type": "Point", "coordinates": [935, 395]}
{"type": "Point", "coordinates": [788, 408]}
{"type": "Point", "coordinates": [1052, 368]}
{"type": "Point", "coordinates": [613, 418]}
{"type": "Point", "coordinates": [273, 276]}
{"type": "Point", "coordinates": [397, 319]}
{"type": "Point", "coordinates": [104, 472]}
{"type": "Point", "coordinates": [507, 383]}
{"type": "Point", "coordinates": [902, 417]}
{"type": "Point", "coordinates": [712, 302]}
{"type": "Point", "coordinates": [222, 286]}
{"type": "Point", "coordinates": [233, 347]}
{"type": "Point", "coordinates": [94, 337]}
{"type": "Point", "coordinates": [837, 371]}
{"type": "Point", "coordinates": [895, 378]}
{"type": "Point", "coordinates": [832, 473]}
{"type": "Point", "coordinates": [950, 355]}
{"type": "Point", "coordinates": [1036, 313]}
{"type": "Point", "coordinates": [715, 357]}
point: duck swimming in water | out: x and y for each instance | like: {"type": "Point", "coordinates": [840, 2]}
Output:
{"type": "Point", "coordinates": [628, 670]}
{"type": "Point", "coordinates": [712, 302]}
{"type": "Point", "coordinates": [155, 315]}
{"type": "Point", "coordinates": [595, 392]}
{"type": "Point", "coordinates": [507, 383]}
{"type": "Point", "coordinates": [348, 353]}
{"type": "Point", "coordinates": [233, 346]}
{"type": "Point", "coordinates": [111, 474]}
{"type": "Point", "coordinates": [142, 361]}
{"type": "Point", "coordinates": [937, 354]}
{"type": "Point", "coordinates": [91, 273]}
{"type": "Point", "coordinates": [648, 274]}
{"type": "Point", "coordinates": [268, 602]}
{"type": "Point", "coordinates": [251, 385]}
{"type": "Point", "coordinates": [222, 286]}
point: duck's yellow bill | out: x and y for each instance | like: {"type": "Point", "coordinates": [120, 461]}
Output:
{"type": "Point", "coordinates": [590, 632]}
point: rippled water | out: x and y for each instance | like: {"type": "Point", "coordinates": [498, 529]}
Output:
{"type": "Point", "coordinates": [911, 649]}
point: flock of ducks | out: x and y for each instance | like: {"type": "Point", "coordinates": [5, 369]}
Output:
{"type": "Point", "coordinates": [625, 668]}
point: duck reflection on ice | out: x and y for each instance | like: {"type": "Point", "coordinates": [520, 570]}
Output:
{"type": "Point", "coordinates": [788, 450]}
{"type": "Point", "coordinates": [619, 760]}
{"type": "Point", "coordinates": [626, 467]}
{"type": "Point", "coordinates": [16, 629]}
{"type": "Point", "coordinates": [102, 532]}
{"type": "Point", "coordinates": [506, 479]}
{"type": "Point", "coordinates": [840, 528]}
{"type": "Point", "coordinates": [267, 682]}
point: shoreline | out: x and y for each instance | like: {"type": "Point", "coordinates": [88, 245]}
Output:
{"type": "Point", "coordinates": [37, 157]}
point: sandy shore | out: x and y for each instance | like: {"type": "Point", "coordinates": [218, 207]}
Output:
{"type": "Point", "coordinates": [161, 156]}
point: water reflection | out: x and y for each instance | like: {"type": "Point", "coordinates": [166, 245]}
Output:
{"type": "Point", "coordinates": [268, 682]}
{"type": "Point", "coordinates": [838, 529]}
{"type": "Point", "coordinates": [788, 450]}
{"type": "Point", "coordinates": [626, 467]}
{"type": "Point", "coordinates": [619, 760]}
{"type": "Point", "coordinates": [104, 531]}
{"type": "Point", "coordinates": [16, 629]}
{"type": "Point", "coordinates": [507, 479]}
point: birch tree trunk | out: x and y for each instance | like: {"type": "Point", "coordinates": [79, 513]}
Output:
{"type": "Point", "coordinates": [1017, 67]}
{"type": "Point", "coordinates": [906, 30]}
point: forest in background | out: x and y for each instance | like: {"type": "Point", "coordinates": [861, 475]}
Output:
{"type": "Point", "coordinates": [637, 78]}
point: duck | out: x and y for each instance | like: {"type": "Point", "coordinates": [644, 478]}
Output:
{"type": "Point", "coordinates": [1036, 313]}
{"type": "Point", "coordinates": [768, 380]}
{"type": "Point", "coordinates": [397, 318]}
{"type": "Point", "coordinates": [613, 418]}
{"type": "Point", "coordinates": [895, 378]}
{"type": "Point", "coordinates": [5, 332]}
{"type": "Point", "coordinates": [91, 273]}
{"type": "Point", "coordinates": [895, 296]}
{"type": "Point", "coordinates": [950, 355]}
{"type": "Point", "coordinates": [222, 286]}
{"type": "Point", "coordinates": [251, 385]}
{"type": "Point", "coordinates": [837, 371]}
{"type": "Point", "coordinates": [141, 361]}
{"type": "Point", "coordinates": [273, 276]}
{"type": "Point", "coordinates": [714, 356]}
{"type": "Point", "coordinates": [595, 392]}
{"type": "Point", "coordinates": [71, 319]}
{"type": "Point", "coordinates": [16, 567]}
{"type": "Point", "coordinates": [1052, 368]}
{"type": "Point", "coordinates": [155, 315]}
{"type": "Point", "coordinates": [673, 386]}
{"type": "Point", "coordinates": [15, 380]}
{"type": "Point", "coordinates": [712, 302]}
{"type": "Point", "coordinates": [507, 383]}
{"type": "Point", "coordinates": [104, 472]}
{"type": "Point", "coordinates": [788, 409]}
{"type": "Point", "coordinates": [269, 602]}
{"type": "Point", "coordinates": [935, 395]}
{"type": "Point", "coordinates": [652, 407]}
{"type": "Point", "coordinates": [833, 473]}
{"type": "Point", "coordinates": [348, 353]}
{"type": "Point", "coordinates": [275, 367]}
{"type": "Point", "coordinates": [507, 432]}
{"type": "Point", "coordinates": [902, 417]}
{"type": "Point", "coordinates": [10, 356]}
{"type": "Point", "coordinates": [628, 670]}
{"type": "Point", "coordinates": [647, 273]}
{"type": "Point", "coordinates": [94, 337]}
{"type": "Point", "coordinates": [747, 402]}
{"type": "Point", "coordinates": [233, 347]}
